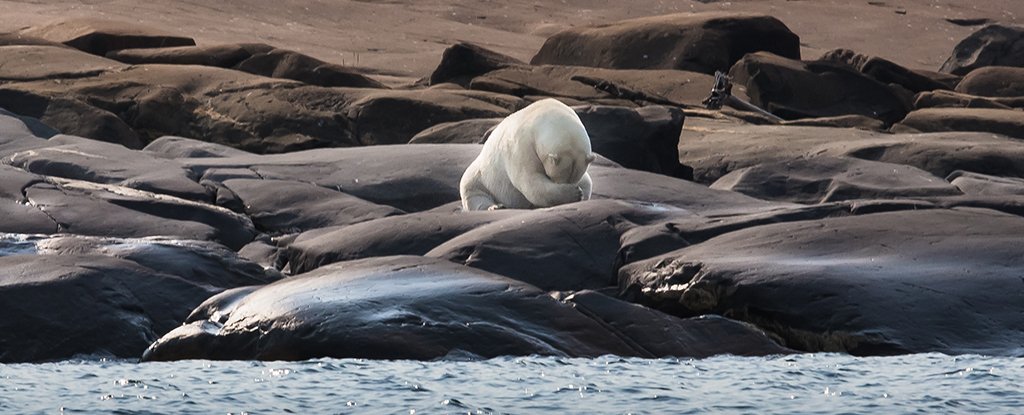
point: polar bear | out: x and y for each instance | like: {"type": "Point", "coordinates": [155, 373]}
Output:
{"type": "Point", "coordinates": [536, 157]}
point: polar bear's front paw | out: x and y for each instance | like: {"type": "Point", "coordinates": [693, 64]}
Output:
{"type": "Point", "coordinates": [496, 206]}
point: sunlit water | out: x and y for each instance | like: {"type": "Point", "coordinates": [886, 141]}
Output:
{"type": "Point", "coordinates": [812, 383]}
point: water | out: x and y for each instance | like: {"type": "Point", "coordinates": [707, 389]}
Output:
{"type": "Point", "coordinates": [810, 383]}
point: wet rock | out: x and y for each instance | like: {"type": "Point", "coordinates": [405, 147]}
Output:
{"type": "Point", "coordinates": [642, 139]}
{"type": "Point", "coordinates": [714, 152]}
{"type": "Point", "coordinates": [399, 308]}
{"type": "Point", "coordinates": [664, 191]}
{"type": "Point", "coordinates": [281, 206]}
{"type": "Point", "coordinates": [992, 45]}
{"type": "Point", "coordinates": [1009, 122]}
{"type": "Point", "coordinates": [411, 234]}
{"type": "Point", "coordinates": [521, 247]}
{"type": "Point", "coordinates": [867, 285]}
{"type": "Point", "coordinates": [98, 36]}
{"type": "Point", "coordinates": [994, 81]}
{"type": "Point", "coordinates": [793, 89]}
{"type": "Point", "coordinates": [129, 291]}
{"type": "Point", "coordinates": [17, 135]}
{"type": "Point", "coordinates": [464, 61]}
{"type": "Point", "coordinates": [703, 42]}
{"type": "Point", "coordinates": [84, 159]}
{"type": "Point", "coordinates": [827, 179]}
{"type": "Point", "coordinates": [841, 121]}
{"type": "Point", "coordinates": [29, 63]}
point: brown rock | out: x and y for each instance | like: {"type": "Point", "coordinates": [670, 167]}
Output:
{"type": "Point", "coordinates": [992, 45]}
{"type": "Point", "coordinates": [994, 81]}
{"type": "Point", "coordinates": [999, 121]}
{"type": "Point", "coordinates": [704, 43]}
{"type": "Point", "coordinates": [98, 36]}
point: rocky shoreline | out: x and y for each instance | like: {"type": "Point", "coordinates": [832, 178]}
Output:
{"type": "Point", "coordinates": [165, 200]}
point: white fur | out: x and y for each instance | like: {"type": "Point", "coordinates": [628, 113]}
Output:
{"type": "Point", "coordinates": [536, 157]}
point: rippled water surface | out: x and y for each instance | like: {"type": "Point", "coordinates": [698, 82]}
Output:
{"type": "Point", "coordinates": [812, 383]}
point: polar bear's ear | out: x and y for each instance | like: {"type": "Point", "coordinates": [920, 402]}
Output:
{"type": "Point", "coordinates": [591, 157]}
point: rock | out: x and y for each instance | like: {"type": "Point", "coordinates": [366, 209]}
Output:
{"type": "Point", "coordinates": [867, 284]}
{"type": "Point", "coordinates": [665, 192]}
{"type": "Point", "coordinates": [144, 102]}
{"type": "Point", "coordinates": [280, 206]}
{"type": "Point", "coordinates": [376, 119]}
{"type": "Point", "coordinates": [472, 131]}
{"type": "Point", "coordinates": [409, 178]}
{"type": "Point", "coordinates": [464, 61]}
{"type": "Point", "coordinates": [398, 308]}
{"type": "Point", "coordinates": [994, 81]}
{"type": "Point", "coordinates": [714, 152]}
{"type": "Point", "coordinates": [1000, 121]}
{"type": "Point", "coordinates": [29, 63]}
{"type": "Point", "coordinates": [642, 139]}
{"type": "Point", "coordinates": [704, 43]}
{"type": "Point", "coordinates": [992, 45]}
{"type": "Point", "coordinates": [98, 36]}
{"type": "Point", "coordinates": [862, 122]}
{"type": "Point", "coordinates": [827, 179]}
{"type": "Point", "coordinates": [221, 56]}
{"type": "Point", "coordinates": [279, 63]}
{"type": "Point", "coordinates": [410, 234]}
{"type": "Point", "coordinates": [35, 127]}
{"type": "Point", "coordinates": [181, 147]}
{"type": "Point", "coordinates": [16, 134]}
{"type": "Point", "coordinates": [793, 89]}
{"type": "Point", "coordinates": [885, 71]}
{"type": "Point", "coordinates": [986, 185]}
{"type": "Point", "coordinates": [15, 38]}
{"type": "Point", "coordinates": [47, 205]}
{"type": "Point", "coordinates": [129, 291]}
{"type": "Point", "coordinates": [950, 99]}
{"type": "Point", "coordinates": [565, 248]}
{"type": "Point", "coordinates": [629, 87]}
{"type": "Point", "coordinates": [83, 159]}
{"type": "Point", "coordinates": [70, 115]}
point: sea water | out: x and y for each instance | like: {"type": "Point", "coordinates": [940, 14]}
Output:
{"type": "Point", "coordinates": [807, 383]}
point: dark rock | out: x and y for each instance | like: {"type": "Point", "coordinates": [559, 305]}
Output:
{"type": "Point", "coordinates": [70, 115]}
{"type": "Point", "coordinates": [411, 234]}
{"type": "Point", "coordinates": [665, 87]}
{"type": "Point", "coordinates": [828, 179]}
{"type": "Point", "coordinates": [221, 56]}
{"type": "Point", "coordinates": [994, 81]}
{"type": "Point", "coordinates": [280, 206]}
{"type": "Point", "coordinates": [1008, 122]}
{"type": "Point", "coordinates": [884, 71]}
{"type": "Point", "coordinates": [17, 135]}
{"type": "Point", "coordinates": [464, 61]}
{"type": "Point", "coordinates": [181, 147]}
{"type": "Point", "coordinates": [280, 63]}
{"type": "Point", "coordinates": [862, 122]}
{"type": "Point", "coordinates": [394, 117]}
{"type": "Point", "coordinates": [714, 152]}
{"type": "Point", "coordinates": [665, 192]}
{"type": "Point", "coordinates": [48, 205]}
{"type": "Point", "coordinates": [473, 131]}
{"type": "Point", "coordinates": [643, 139]}
{"type": "Point", "coordinates": [695, 42]}
{"type": "Point", "coordinates": [950, 99]}
{"type": "Point", "coordinates": [867, 285]}
{"type": "Point", "coordinates": [399, 308]}
{"type": "Point", "coordinates": [986, 185]}
{"type": "Point", "coordinates": [129, 291]}
{"type": "Point", "coordinates": [95, 161]}
{"type": "Point", "coordinates": [97, 36]}
{"type": "Point", "coordinates": [29, 63]}
{"type": "Point", "coordinates": [992, 45]}
{"type": "Point", "coordinates": [35, 127]}
{"type": "Point", "coordinates": [793, 89]}
{"type": "Point", "coordinates": [520, 247]}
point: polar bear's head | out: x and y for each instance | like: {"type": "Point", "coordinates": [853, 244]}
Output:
{"type": "Point", "coordinates": [563, 147]}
